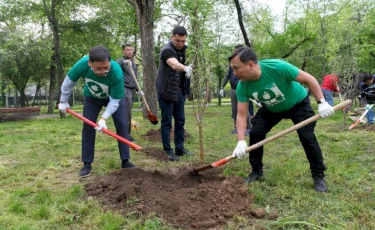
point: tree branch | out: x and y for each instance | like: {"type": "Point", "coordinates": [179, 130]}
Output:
{"type": "Point", "coordinates": [295, 47]}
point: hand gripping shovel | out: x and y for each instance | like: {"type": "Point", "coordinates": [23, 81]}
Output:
{"type": "Point", "coordinates": [368, 108]}
{"type": "Point", "coordinates": [269, 139]}
{"type": "Point", "coordinates": [123, 140]}
{"type": "Point", "coordinates": [151, 117]}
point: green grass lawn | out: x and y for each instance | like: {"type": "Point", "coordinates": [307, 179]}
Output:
{"type": "Point", "coordinates": [40, 161]}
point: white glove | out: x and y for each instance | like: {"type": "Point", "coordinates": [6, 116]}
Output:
{"type": "Point", "coordinates": [221, 92]}
{"type": "Point", "coordinates": [240, 150]}
{"type": "Point", "coordinates": [101, 125]}
{"type": "Point", "coordinates": [140, 93]}
{"type": "Point", "coordinates": [188, 70]}
{"type": "Point", "coordinates": [325, 110]}
{"type": "Point", "coordinates": [63, 106]}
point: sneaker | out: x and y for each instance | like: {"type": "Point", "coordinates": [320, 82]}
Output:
{"type": "Point", "coordinates": [171, 155]}
{"type": "Point", "coordinates": [86, 170]}
{"type": "Point", "coordinates": [320, 184]}
{"type": "Point", "coordinates": [127, 164]}
{"type": "Point", "coordinates": [253, 176]}
{"type": "Point", "coordinates": [234, 131]}
{"type": "Point", "coordinates": [182, 152]}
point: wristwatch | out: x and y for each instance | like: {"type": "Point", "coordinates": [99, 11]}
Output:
{"type": "Point", "coordinates": [322, 101]}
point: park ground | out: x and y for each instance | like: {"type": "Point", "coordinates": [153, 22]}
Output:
{"type": "Point", "coordinates": [40, 187]}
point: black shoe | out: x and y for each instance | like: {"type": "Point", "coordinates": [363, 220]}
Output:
{"type": "Point", "coordinates": [171, 155]}
{"type": "Point", "coordinates": [182, 152]}
{"type": "Point", "coordinates": [127, 164]}
{"type": "Point", "coordinates": [131, 138]}
{"type": "Point", "coordinates": [320, 184]}
{"type": "Point", "coordinates": [253, 176]}
{"type": "Point", "coordinates": [86, 170]}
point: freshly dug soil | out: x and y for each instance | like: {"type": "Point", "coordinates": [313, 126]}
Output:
{"type": "Point", "coordinates": [203, 201]}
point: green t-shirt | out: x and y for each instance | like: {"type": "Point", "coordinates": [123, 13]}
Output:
{"type": "Point", "coordinates": [99, 87]}
{"type": "Point", "coordinates": [277, 88]}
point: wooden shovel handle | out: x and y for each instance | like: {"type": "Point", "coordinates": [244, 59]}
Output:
{"type": "Point", "coordinates": [128, 63]}
{"type": "Point", "coordinates": [294, 127]}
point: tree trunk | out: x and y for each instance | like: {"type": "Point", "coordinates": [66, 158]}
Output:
{"type": "Point", "coordinates": [145, 11]}
{"type": "Point", "coordinates": [52, 84]}
{"type": "Point", "coordinates": [240, 21]}
{"type": "Point", "coordinates": [51, 15]}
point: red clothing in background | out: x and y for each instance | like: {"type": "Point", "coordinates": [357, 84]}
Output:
{"type": "Point", "coordinates": [330, 82]}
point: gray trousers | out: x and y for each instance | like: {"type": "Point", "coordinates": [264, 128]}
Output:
{"type": "Point", "coordinates": [233, 102]}
{"type": "Point", "coordinates": [128, 106]}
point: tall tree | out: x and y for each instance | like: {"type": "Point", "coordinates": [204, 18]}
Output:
{"type": "Point", "coordinates": [145, 17]}
{"type": "Point", "coordinates": [50, 12]}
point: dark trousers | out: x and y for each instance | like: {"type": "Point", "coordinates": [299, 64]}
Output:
{"type": "Point", "coordinates": [128, 105]}
{"type": "Point", "coordinates": [263, 122]}
{"type": "Point", "coordinates": [176, 110]}
{"type": "Point", "coordinates": [91, 110]}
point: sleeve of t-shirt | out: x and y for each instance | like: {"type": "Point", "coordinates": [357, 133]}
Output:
{"type": "Point", "coordinates": [117, 85]}
{"type": "Point", "coordinates": [241, 93]}
{"type": "Point", "coordinates": [76, 71]}
{"type": "Point", "coordinates": [287, 70]}
{"type": "Point", "coordinates": [166, 54]}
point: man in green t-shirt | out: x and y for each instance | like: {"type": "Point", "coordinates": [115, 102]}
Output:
{"type": "Point", "coordinates": [104, 86]}
{"type": "Point", "coordinates": [277, 85]}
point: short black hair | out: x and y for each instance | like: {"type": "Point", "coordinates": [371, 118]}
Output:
{"type": "Point", "coordinates": [99, 53]}
{"type": "Point", "coordinates": [367, 77]}
{"type": "Point", "coordinates": [180, 30]}
{"type": "Point", "coordinates": [245, 54]}
{"type": "Point", "coordinates": [126, 45]}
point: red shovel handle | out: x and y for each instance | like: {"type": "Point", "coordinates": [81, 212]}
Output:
{"type": "Point", "coordinates": [106, 131]}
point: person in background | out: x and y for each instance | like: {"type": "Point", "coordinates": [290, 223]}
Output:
{"type": "Point", "coordinates": [104, 86]}
{"type": "Point", "coordinates": [233, 80]}
{"type": "Point", "coordinates": [329, 85]}
{"type": "Point", "coordinates": [278, 86]}
{"type": "Point", "coordinates": [368, 81]}
{"type": "Point", "coordinates": [129, 82]}
{"type": "Point", "coordinates": [172, 85]}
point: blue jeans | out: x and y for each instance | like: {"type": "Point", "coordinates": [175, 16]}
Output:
{"type": "Point", "coordinates": [370, 116]}
{"type": "Point", "coordinates": [328, 95]}
{"type": "Point", "coordinates": [176, 110]}
{"type": "Point", "coordinates": [91, 110]}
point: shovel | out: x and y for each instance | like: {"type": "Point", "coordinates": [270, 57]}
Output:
{"type": "Point", "coordinates": [267, 140]}
{"type": "Point", "coordinates": [151, 117]}
{"type": "Point", "coordinates": [123, 140]}
{"type": "Point", "coordinates": [368, 108]}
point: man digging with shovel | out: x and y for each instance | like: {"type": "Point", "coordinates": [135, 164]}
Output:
{"type": "Point", "coordinates": [277, 85]}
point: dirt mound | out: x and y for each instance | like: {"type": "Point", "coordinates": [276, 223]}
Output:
{"type": "Point", "coordinates": [155, 136]}
{"type": "Point", "coordinates": [191, 202]}
{"type": "Point", "coordinates": [155, 153]}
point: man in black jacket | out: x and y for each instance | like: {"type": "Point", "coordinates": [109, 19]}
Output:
{"type": "Point", "coordinates": [172, 84]}
{"type": "Point", "coordinates": [129, 82]}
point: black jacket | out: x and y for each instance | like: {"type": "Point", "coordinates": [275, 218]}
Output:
{"type": "Point", "coordinates": [169, 81]}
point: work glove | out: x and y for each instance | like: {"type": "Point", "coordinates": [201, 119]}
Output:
{"type": "Point", "coordinates": [325, 110]}
{"type": "Point", "coordinates": [101, 125]}
{"type": "Point", "coordinates": [240, 150]}
{"type": "Point", "coordinates": [221, 92]}
{"type": "Point", "coordinates": [63, 106]}
{"type": "Point", "coordinates": [140, 93]}
{"type": "Point", "coordinates": [188, 70]}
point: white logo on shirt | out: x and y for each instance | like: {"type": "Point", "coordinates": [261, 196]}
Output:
{"type": "Point", "coordinates": [270, 95]}
{"type": "Point", "coordinates": [97, 89]}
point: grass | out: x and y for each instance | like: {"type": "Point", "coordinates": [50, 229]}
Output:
{"type": "Point", "coordinates": [40, 161]}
